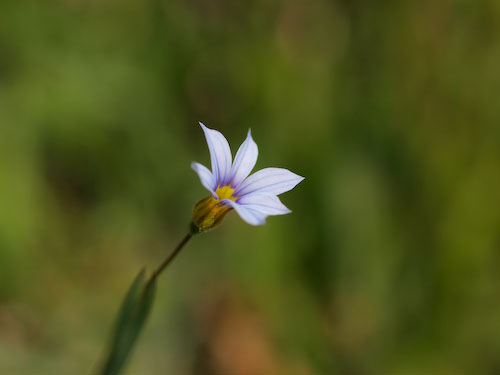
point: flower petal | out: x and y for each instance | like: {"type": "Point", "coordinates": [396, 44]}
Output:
{"type": "Point", "coordinates": [266, 204]}
{"type": "Point", "coordinates": [206, 177]}
{"type": "Point", "coordinates": [220, 155]}
{"type": "Point", "coordinates": [251, 216]}
{"type": "Point", "coordinates": [244, 161]}
{"type": "Point", "coordinates": [269, 180]}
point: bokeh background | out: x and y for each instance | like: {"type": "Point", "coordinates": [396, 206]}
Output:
{"type": "Point", "coordinates": [390, 262]}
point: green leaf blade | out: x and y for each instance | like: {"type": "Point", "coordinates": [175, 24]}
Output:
{"type": "Point", "coordinates": [131, 319]}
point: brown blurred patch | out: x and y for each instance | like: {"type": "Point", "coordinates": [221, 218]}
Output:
{"type": "Point", "coordinates": [234, 337]}
{"type": "Point", "coordinates": [18, 326]}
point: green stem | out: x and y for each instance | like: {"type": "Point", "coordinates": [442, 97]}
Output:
{"type": "Point", "coordinates": [169, 258]}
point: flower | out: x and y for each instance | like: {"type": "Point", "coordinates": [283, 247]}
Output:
{"type": "Point", "coordinates": [253, 197]}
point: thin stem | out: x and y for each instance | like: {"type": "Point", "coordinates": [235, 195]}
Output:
{"type": "Point", "coordinates": [170, 258]}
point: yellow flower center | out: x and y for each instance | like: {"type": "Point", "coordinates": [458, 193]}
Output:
{"type": "Point", "coordinates": [208, 213]}
{"type": "Point", "coordinates": [225, 192]}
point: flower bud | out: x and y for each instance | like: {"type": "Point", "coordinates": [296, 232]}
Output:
{"type": "Point", "coordinates": [208, 213]}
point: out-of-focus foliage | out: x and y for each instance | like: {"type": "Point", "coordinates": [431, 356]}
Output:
{"type": "Point", "coordinates": [390, 260]}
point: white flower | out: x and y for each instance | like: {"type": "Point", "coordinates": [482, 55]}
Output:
{"type": "Point", "coordinates": [253, 197]}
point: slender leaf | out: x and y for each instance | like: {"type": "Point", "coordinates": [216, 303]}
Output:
{"type": "Point", "coordinates": [131, 318]}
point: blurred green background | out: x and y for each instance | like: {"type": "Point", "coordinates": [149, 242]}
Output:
{"type": "Point", "coordinates": [390, 262]}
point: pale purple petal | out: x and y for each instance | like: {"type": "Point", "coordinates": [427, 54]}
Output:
{"type": "Point", "coordinates": [244, 161]}
{"type": "Point", "coordinates": [265, 203]}
{"type": "Point", "coordinates": [220, 154]}
{"type": "Point", "coordinates": [251, 216]}
{"type": "Point", "coordinates": [206, 177]}
{"type": "Point", "coordinates": [269, 180]}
